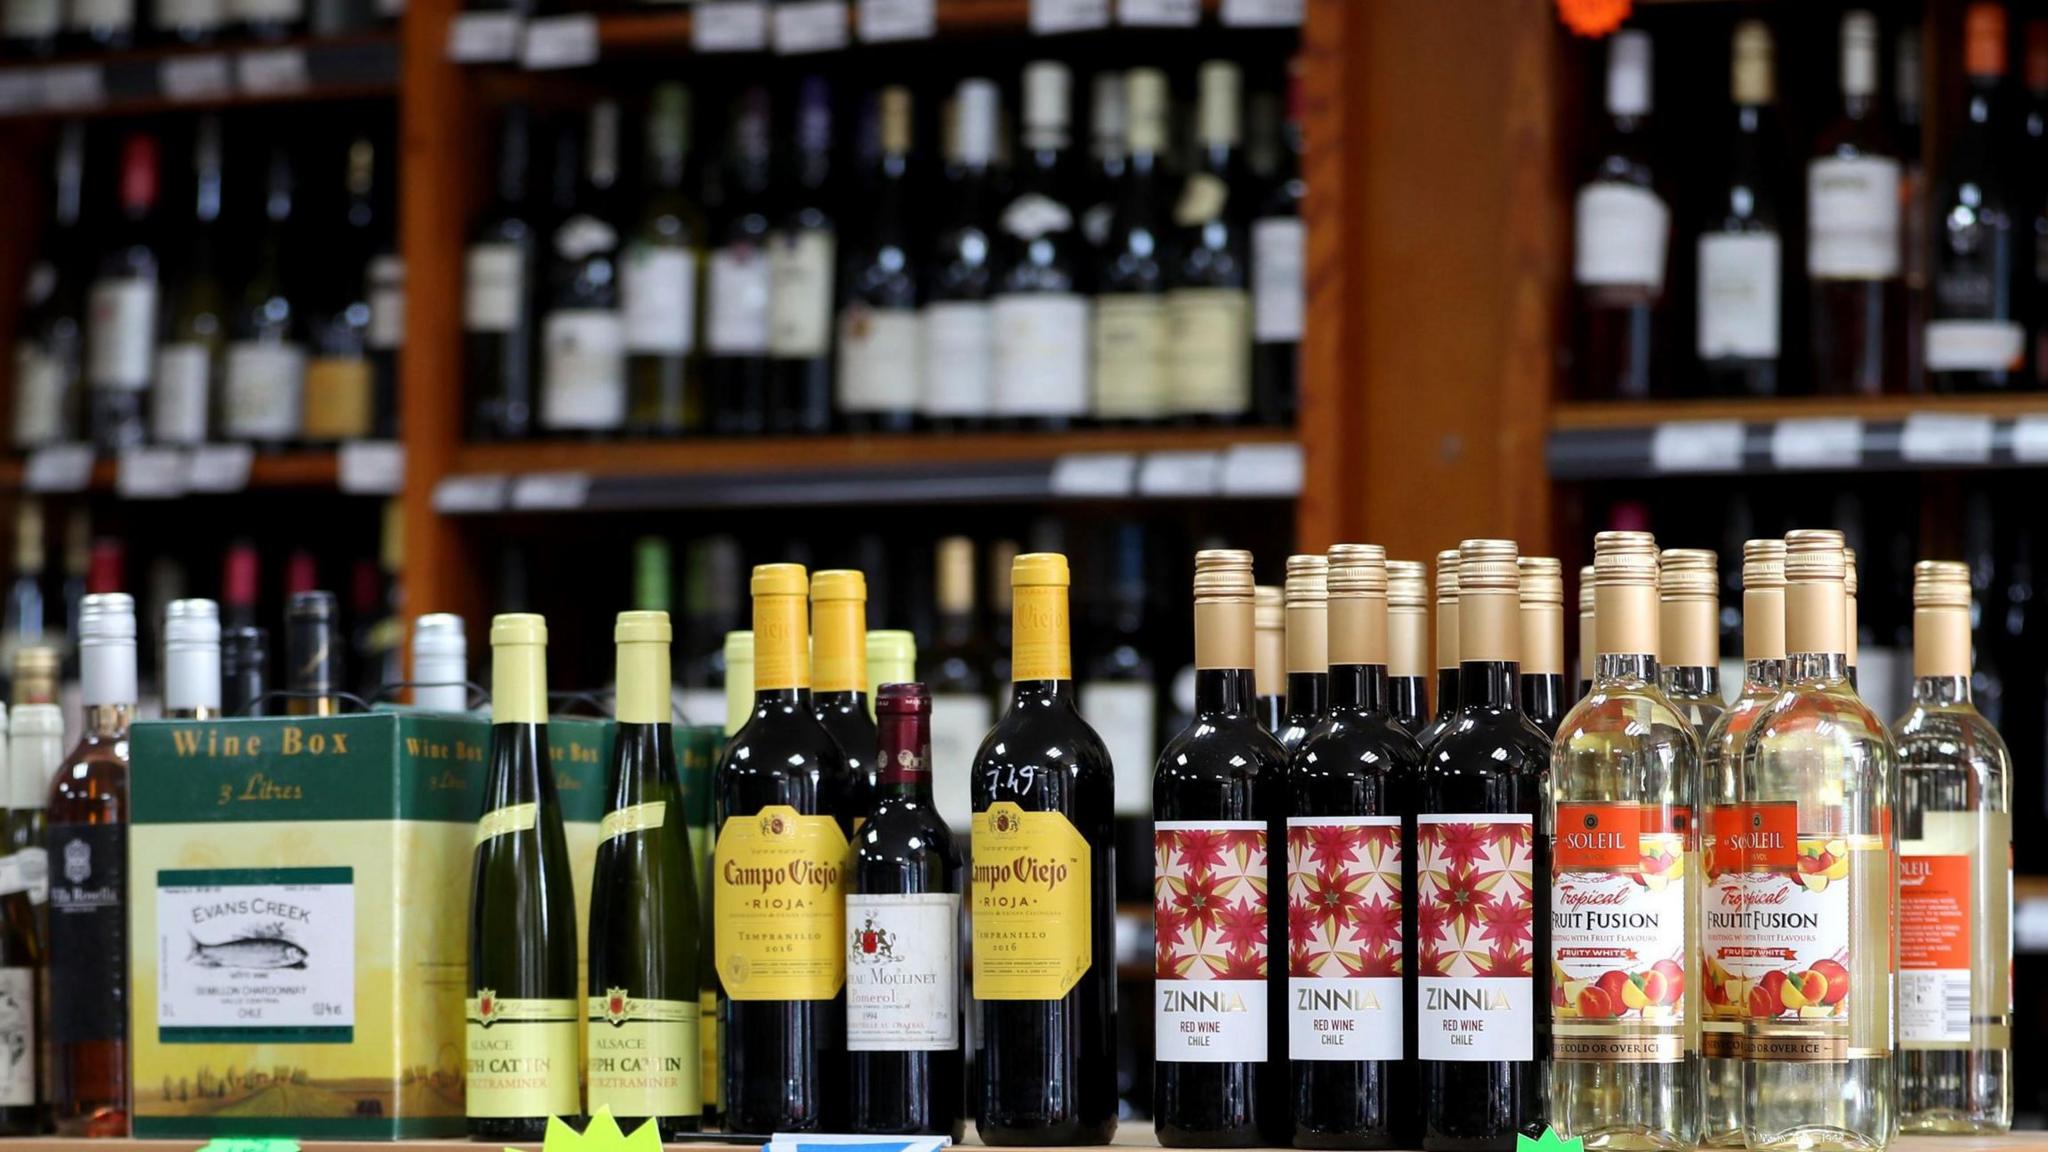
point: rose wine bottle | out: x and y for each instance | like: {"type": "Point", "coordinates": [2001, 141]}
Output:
{"type": "Point", "coordinates": [1308, 649]}
{"type": "Point", "coordinates": [1408, 644]}
{"type": "Point", "coordinates": [1542, 650]}
{"type": "Point", "coordinates": [1269, 657]}
{"type": "Point", "coordinates": [1689, 634]}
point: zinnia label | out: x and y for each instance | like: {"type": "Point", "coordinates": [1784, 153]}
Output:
{"type": "Point", "coordinates": [1344, 938]}
{"type": "Point", "coordinates": [1209, 908]}
{"type": "Point", "coordinates": [1475, 918]}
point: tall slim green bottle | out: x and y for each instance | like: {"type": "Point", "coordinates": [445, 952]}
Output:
{"type": "Point", "coordinates": [521, 1003]}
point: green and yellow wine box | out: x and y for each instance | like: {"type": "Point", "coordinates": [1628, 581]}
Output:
{"type": "Point", "coordinates": [299, 917]}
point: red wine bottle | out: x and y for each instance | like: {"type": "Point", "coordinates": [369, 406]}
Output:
{"type": "Point", "coordinates": [1408, 644]}
{"type": "Point", "coordinates": [1308, 648]}
{"type": "Point", "coordinates": [1447, 673]}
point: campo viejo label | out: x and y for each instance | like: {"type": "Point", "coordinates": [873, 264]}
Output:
{"type": "Point", "coordinates": [1618, 933]}
{"type": "Point", "coordinates": [1209, 883]}
{"type": "Point", "coordinates": [1029, 891]}
{"type": "Point", "coordinates": [780, 900]}
{"type": "Point", "coordinates": [1475, 919]}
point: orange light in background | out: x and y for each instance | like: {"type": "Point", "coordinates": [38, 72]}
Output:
{"type": "Point", "coordinates": [1593, 18]}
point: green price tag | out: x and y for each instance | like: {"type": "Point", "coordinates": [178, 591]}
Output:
{"type": "Point", "coordinates": [1548, 1141]}
{"type": "Point", "coordinates": [250, 1144]}
{"type": "Point", "coordinates": [602, 1135]}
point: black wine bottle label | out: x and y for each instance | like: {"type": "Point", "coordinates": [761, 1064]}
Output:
{"type": "Point", "coordinates": [1475, 916]}
{"type": "Point", "coordinates": [643, 1055]}
{"type": "Point", "coordinates": [522, 1057]}
{"type": "Point", "coordinates": [1344, 929]}
{"type": "Point", "coordinates": [1032, 935]}
{"type": "Point", "coordinates": [780, 905]}
{"type": "Point", "coordinates": [903, 972]}
{"type": "Point", "coordinates": [88, 932]}
{"type": "Point", "coordinates": [1209, 910]}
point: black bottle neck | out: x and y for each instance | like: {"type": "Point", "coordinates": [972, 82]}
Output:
{"type": "Point", "coordinates": [1308, 693]}
{"type": "Point", "coordinates": [1224, 691]}
{"type": "Point", "coordinates": [1359, 687]}
{"type": "Point", "coordinates": [1489, 684]}
{"type": "Point", "coordinates": [1446, 691]}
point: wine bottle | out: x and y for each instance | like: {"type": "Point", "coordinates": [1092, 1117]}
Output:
{"type": "Point", "coordinates": [21, 956]}
{"type": "Point", "coordinates": [1351, 922]}
{"type": "Point", "coordinates": [340, 395]}
{"type": "Point", "coordinates": [269, 20]}
{"type": "Point", "coordinates": [1219, 802]}
{"type": "Point", "coordinates": [1039, 313]}
{"type": "Point", "coordinates": [98, 25]}
{"type": "Point", "coordinates": [958, 338]}
{"type": "Point", "coordinates": [195, 325]}
{"type": "Point", "coordinates": [902, 964]}
{"type": "Point", "coordinates": [1120, 695]}
{"type": "Point", "coordinates": [1955, 879]}
{"type": "Point", "coordinates": [1689, 635]}
{"type": "Point", "coordinates": [1280, 272]}
{"type": "Point", "coordinates": [520, 1005]}
{"type": "Point", "coordinates": [440, 663]}
{"type": "Point", "coordinates": [658, 282]}
{"type": "Point", "coordinates": [2034, 196]}
{"type": "Point", "coordinates": [88, 831]}
{"type": "Point", "coordinates": [29, 28]}
{"type": "Point", "coordinates": [500, 268]}
{"type": "Point", "coordinates": [961, 710]}
{"type": "Point", "coordinates": [1589, 650]}
{"type": "Point", "coordinates": [1974, 341]}
{"type": "Point", "coordinates": [1448, 678]}
{"type": "Point", "coordinates": [1408, 644]}
{"type": "Point", "coordinates": [384, 294]}
{"type": "Point", "coordinates": [35, 748]}
{"type": "Point", "coordinates": [22, 625]}
{"type": "Point", "coordinates": [1542, 641]}
{"type": "Point", "coordinates": [803, 267]}
{"type": "Point", "coordinates": [839, 680]}
{"type": "Point", "coordinates": [1208, 309]}
{"type": "Point", "coordinates": [48, 349]}
{"type": "Point", "coordinates": [1483, 788]}
{"type": "Point", "coordinates": [1818, 788]}
{"type": "Point", "coordinates": [1852, 242]}
{"type": "Point", "coordinates": [1741, 277]}
{"type": "Point", "coordinates": [879, 336]}
{"type": "Point", "coordinates": [1914, 230]}
{"type": "Point", "coordinates": [1130, 361]}
{"type": "Point", "coordinates": [186, 22]}
{"type": "Point", "coordinates": [643, 1049]}
{"type": "Point", "coordinates": [582, 336]}
{"type": "Point", "coordinates": [1269, 677]}
{"type": "Point", "coordinates": [1621, 228]}
{"type": "Point", "coordinates": [711, 602]}
{"type": "Point", "coordinates": [781, 881]}
{"type": "Point", "coordinates": [266, 362]}
{"type": "Point", "coordinates": [1623, 894]}
{"type": "Point", "coordinates": [1849, 624]}
{"type": "Point", "coordinates": [892, 659]}
{"type": "Point", "coordinates": [1042, 896]}
{"type": "Point", "coordinates": [738, 285]}
{"type": "Point", "coordinates": [121, 330]}
{"type": "Point", "coordinates": [35, 676]}
{"type": "Point", "coordinates": [312, 655]}
{"type": "Point", "coordinates": [1308, 648]}
{"type": "Point", "coordinates": [192, 660]}
{"type": "Point", "coordinates": [1002, 556]}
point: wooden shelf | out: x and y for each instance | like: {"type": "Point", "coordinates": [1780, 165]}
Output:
{"type": "Point", "coordinates": [1644, 413]}
{"type": "Point", "coordinates": [357, 65]}
{"type": "Point", "coordinates": [285, 470]}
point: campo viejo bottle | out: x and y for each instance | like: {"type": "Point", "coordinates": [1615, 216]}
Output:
{"type": "Point", "coordinates": [1219, 808]}
{"type": "Point", "coordinates": [642, 1044]}
{"type": "Point", "coordinates": [779, 885]}
{"type": "Point", "coordinates": [522, 1003]}
{"type": "Point", "coordinates": [839, 669]}
{"type": "Point", "coordinates": [1042, 892]}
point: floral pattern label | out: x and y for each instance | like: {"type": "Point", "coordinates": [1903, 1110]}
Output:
{"type": "Point", "coordinates": [1617, 933]}
{"type": "Point", "coordinates": [1475, 918]}
{"type": "Point", "coordinates": [1344, 938]}
{"type": "Point", "coordinates": [1209, 907]}
{"type": "Point", "coordinates": [1784, 962]}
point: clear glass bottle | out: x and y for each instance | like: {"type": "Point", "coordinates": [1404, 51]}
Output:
{"type": "Point", "coordinates": [1849, 626]}
{"type": "Point", "coordinates": [1589, 649]}
{"type": "Point", "coordinates": [1720, 799]}
{"type": "Point", "coordinates": [1819, 888]}
{"type": "Point", "coordinates": [1955, 877]}
{"type": "Point", "coordinates": [1689, 635]}
{"type": "Point", "coordinates": [1624, 886]}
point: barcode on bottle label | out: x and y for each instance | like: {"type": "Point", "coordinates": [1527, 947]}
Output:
{"type": "Point", "coordinates": [1697, 446]}
{"type": "Point", "coordinates": [1053, 16]}
{"type": "Point", "coordinates": [883, 21]}
{"type": "Point", "coordinates": [1817, 444]}
{"type": "Point", "coordinates": [1946, 438]}
{"type": "Point", "coordinates": [1934, 1006]}
{"type": "Point", "coordinates": [729, 26]}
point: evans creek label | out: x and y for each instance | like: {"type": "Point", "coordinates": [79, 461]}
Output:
{"type": "Point", "coordinates": [1617, 933]}
{"type": "Point", "coordinates": [780, 905]}
{"type": "Point", "coordinates": [1782, 933]}
{"type": "Point", "coordinates": [1475, 918]}
{"type": "Point", "coordinates": [903, 972]}
{"type": "Point", "coordinates": [1033, 929]}
{"type": "Point", "coordinates": [256, 954]}
{"type": "Point", "coordinates": [1344, 937]}
{"type": "Point", "coordinates": [1209, 890]}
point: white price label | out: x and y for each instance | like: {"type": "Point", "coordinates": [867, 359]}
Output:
{"type": "Point", "coordinates": [1094, 475]}
{"type": "Point", "coordinates": [883, 21]}
{"type": "Point", "coordinates": [152, 473]}
{"type": "Point", "coordinates": [59, 468]}
{"type": "Point", "coordinates": [2030, 440]}
{"type": "Point", "coordinates": [729, 26]}
{"type": "Point", "coordinates": [371, 467]}
{"type": "Point", "coordinates": [1262, 13]}
{"type": "Point", "coordinates": [1053, 16]}
{"type": "Point", "coordinates": [1159, 13]}
{"type": "Point", "coordinates": [73, 86]}
{"type": "Point", "coordinates": [1817, 444]}
{"type": "Point", "coordinates": [194, 77]}
{"type": "Point", "coordinates": [561, 42]}
{"type": "Point", "coordinates": [483, 37]}
{"type": "Point", "coordinates": [551, 491]}
{"type": "Point", "coordinates": [1180, 474]}
{"type": "Point", "coordinates": [268, 71]}
{"type": "Point", "coordinates": [1262, 470]}
{"type": "Point", "coordinates": [481, 492]}
{"type": "Point", "coordinates": [1946, 438]}
{"type": "Point", "coordinates": [1697, 446]}
{"type": "Point", "coordinates": [219, 467]}
{"type": "Point", "coordinates": [810, 26]}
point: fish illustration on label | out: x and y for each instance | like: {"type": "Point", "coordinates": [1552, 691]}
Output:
{"type": "Point", "coordinates": [265, 946]}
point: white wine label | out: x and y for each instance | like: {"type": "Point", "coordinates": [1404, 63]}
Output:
{"type": "Point", "coordinates": [1975, 346]}
{"type": "Point", "coordinates": [1852, 206]}
{"type": "Point", "coordinates": [1476, 985]}
{"type": "Point", "coordinates": [1738, 296]}
{"type": "Point", "coordinates": [39, 388]}
{"type": "Point", "coordinates": [583, 369]}
{"type": "Point", "coordinates": [658, 295]}
{"type": "Point", "coordinates": [1210, 881]}
{"type": "Point", "coordinates": [880, 359]}
{"type": "Point", "coordinates": [30, 19]}
{"type": "Point", "coordinates": [643, 1055]}
{"type": "Point", "coordinates": [903, 972]}
{"type": "Point", "coordinates": [1279, 260]}
{"type": "Point", "coordinates": [1617, 933]}
{"type": "Point", "coordinates": [493, 288]}
{"type": "Point", "coordinates": [1209, 350]}
{"type": "Point", "coordinates": [959, 361]}
{"type": "Point", "coordinates": [1041, 354]}
{"type": "Point", "coordinates": [189, 13]}
{"type": "Point", "coordinates": [511, 818]}
{"type": "Point", "coordinates": [121, 333]}
{"type": "Point", "coordinates": [522, 1057]}
{"type": "Point", "coordinates": [1344, 929]}
{"type": "Point", "coordinates": [17, 1037]}
{"type": "Point", "coordinates": [250, 955]}
{"type": "Point", "coordinates": [959, 722]}
{"type": "Point", "coordinates": [183, 386]}
{"type": "Point", "coordinates": [1935, 911]}
{"type": "Point", "coordinates": [635, 818]}
{"type": "Point", "coordinates": [737, 311]}
{"type": "Point", "coordinates": [85, 14]}
{"type": "Point", "coordinates": [265, 385]}
{"type": "Point", "coordinates": [1619, 235]}
{"type": "Point", "coordinates": [1790, 970]}
{"type": "Point", "coordinates": [1131, 373]}
{"type": "Point", "coordinates": [1127, 717]}
{"type": "Point", "coordinates": [386, 278]}
{"type": "Point", "coordinates": [800, 294]}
